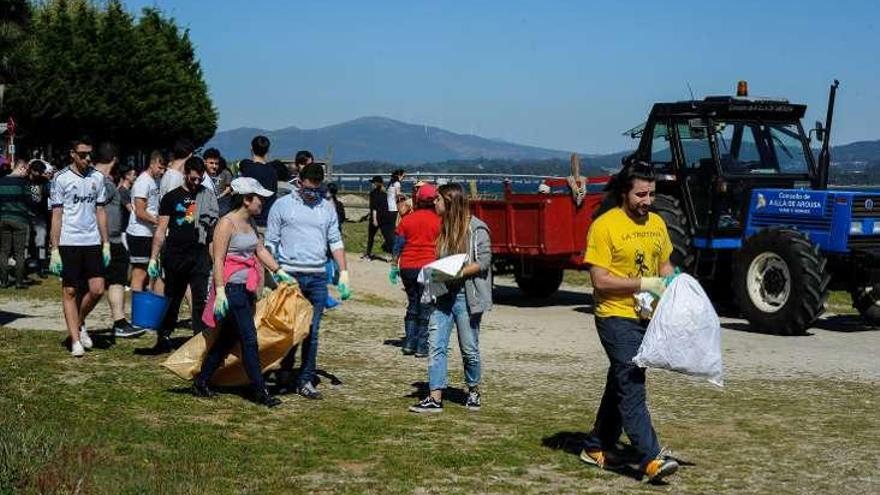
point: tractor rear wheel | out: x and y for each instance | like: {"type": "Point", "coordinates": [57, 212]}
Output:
{"type": "Point", "coordinates": [679, 230]}
{"type": "Point", "coordinates": [780, 281]}
{"type": "Point", "coordinates": [541, 282]}
{"type": "Point", "coordinates": [866, 300]}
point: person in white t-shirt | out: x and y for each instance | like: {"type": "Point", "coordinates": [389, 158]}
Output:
{"type": "Point", "coordinates": [173, 178]}
{"type": "Point", "coordinates": [80, 252]}
{"type": "Point", "coordinates": [142, 224]}
{"type": "Point", "coordinates": [393, 191]}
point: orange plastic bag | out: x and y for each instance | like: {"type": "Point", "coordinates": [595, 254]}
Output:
{"type": "Point", "coordinates": [282, 319]}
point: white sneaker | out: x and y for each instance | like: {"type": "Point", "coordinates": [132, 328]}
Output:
{"type": "Point", "coordinates": [84, 337]}
{"type": "Point", "coordinates": [76, 350]}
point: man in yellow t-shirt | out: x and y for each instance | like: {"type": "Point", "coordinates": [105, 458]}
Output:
{"type": "Point", "coordinates": [628, 251]}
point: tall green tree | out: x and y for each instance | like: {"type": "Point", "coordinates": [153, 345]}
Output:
{"type": "Point", "coordinates": [94, 69]}
{"type": "Point", "coordinates": [15, 18]}
{"type": "Point", "coordinates": [172, 97]}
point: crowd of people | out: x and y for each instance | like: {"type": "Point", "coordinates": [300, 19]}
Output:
{"type": "Point", "coordinates": [187, 227]}
{"type": "Point", "coordinates": [102, 227]}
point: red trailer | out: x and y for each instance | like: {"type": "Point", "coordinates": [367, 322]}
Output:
{"type": "Point", "coordinates": [537, 235]}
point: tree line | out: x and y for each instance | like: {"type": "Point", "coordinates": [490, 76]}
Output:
{"type": "Point", "coordinates": [74, 67]}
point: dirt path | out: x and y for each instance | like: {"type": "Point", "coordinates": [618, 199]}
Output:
{"type": "Point", "coordinates": [562, 328]}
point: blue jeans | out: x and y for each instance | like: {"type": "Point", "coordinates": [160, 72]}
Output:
{"type": "Point", "coordinates": [452, 309]}
{"type": "Point", "coordinates": [314, 288]}
{"type": "Point", "coordinates": [417, 314]}
{"type": "Point", "coordinates": [237, 325]}
{"type": "Point", "coordinates": [623, 406]}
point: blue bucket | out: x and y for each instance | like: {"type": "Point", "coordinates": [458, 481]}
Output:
{"type": "Point", "coordinates": [148, 309]}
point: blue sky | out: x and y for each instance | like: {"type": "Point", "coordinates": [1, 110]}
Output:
{"type": "Point", "coordinates": [569, 75]}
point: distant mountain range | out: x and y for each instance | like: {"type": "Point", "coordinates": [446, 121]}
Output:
{"type": "Point", "coordinates": [382, 140]}
{"type": "Point", "coordinates": [379, 139]}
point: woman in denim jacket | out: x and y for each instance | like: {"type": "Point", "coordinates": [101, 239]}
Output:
{"type": "Point", "coordinates": [469, 295]}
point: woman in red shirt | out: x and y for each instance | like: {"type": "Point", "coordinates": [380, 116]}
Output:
{"type": "Point", "coordinates": [415, 245]}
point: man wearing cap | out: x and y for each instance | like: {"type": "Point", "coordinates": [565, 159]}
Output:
{"type": "Point", "coordinates": [300, 229]}
{"type": "Point", "coordinates": [377, 215]}
{"type": "Point", "coordinates": [415, 245]}
{"type": "Point", "coordinates": [187, 216]}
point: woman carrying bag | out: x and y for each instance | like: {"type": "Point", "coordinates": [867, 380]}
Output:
{"type": "Point", "coordinates": [469, 295]}
{"type": "Point", "coordinates": [239, 257]}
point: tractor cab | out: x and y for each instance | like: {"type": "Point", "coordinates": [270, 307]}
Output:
{"type": "Point", "coordinates": [712, 153]}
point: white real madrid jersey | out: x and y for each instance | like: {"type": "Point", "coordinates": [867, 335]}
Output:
{"type": "Point", "coordinates": [78, 196]}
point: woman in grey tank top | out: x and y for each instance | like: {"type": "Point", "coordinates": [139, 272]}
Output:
{"type": "Point", "coordinates": [238, 252]}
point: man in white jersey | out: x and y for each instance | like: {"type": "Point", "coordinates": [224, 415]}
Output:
{"type": "Point", "coordinates": [80, 252]}
{"type": "Point", "coordinates": [142, 224]}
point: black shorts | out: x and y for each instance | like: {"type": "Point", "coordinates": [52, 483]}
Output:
{"type": "Point", "coordinates": [80, 264]}
{"type": "Point", "coordinates": [117, 270]}
{"type": "Point", "coordinates": [139, 249]}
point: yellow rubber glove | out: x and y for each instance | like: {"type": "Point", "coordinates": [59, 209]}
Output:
{"type": "Point", "coordinates": [105, 251]}
{"type": "Point", "coordinates": [55, 264]}
{"type": "Point", "coordinates": [344, 291]}
{"type": "Point", "coordinates": [654, 285]}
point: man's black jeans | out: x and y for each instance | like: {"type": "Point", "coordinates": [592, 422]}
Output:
{"type": "Point", "coordinates": [623, 404]}
{"type": "Point", "coordinates": [181, 270]}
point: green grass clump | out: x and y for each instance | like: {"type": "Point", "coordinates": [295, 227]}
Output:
{"type": "Point", "coordinates": [115, 422]}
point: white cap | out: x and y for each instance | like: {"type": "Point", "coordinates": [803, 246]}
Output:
{"type": "Point", "coordinates": [249, 185]}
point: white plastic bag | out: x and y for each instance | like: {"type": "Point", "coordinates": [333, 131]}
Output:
{"type": "Point", "coordinates": [685, 334]}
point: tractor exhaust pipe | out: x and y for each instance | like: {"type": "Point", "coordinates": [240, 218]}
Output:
{"type": "Point", "coordinates": [825, 153]}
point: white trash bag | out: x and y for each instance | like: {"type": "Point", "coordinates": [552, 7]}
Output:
{"type": "Point", "coordinates": [685, 333]}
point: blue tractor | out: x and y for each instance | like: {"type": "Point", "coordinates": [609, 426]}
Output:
{"type": "Point", "coordinates": [749, 211]}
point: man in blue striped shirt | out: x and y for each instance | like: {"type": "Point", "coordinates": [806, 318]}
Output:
{"type": "Point", "coordinates": [300, 228]}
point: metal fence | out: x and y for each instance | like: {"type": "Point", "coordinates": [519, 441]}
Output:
{"type": "Point", "coordinates": [486, 184]}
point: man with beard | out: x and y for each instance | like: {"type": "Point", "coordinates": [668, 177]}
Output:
{"type": "Point", "coordinates": [187, 216]}
{"type": "Point", "coordinates": [628, 250]}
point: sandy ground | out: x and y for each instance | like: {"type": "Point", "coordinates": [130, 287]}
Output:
{"type": "Point", "coordinates": [840, 347]}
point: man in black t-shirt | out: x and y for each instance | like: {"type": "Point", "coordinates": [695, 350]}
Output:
{"type": "Point", "coordinates": [265, 173]}
{"type": "Point", "coordinates": [376, 216]}
{"type": "Point", "coordinates": [186, 221]}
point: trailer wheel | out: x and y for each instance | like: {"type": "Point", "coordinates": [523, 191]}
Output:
{"type": "Point", "coordinates": [780, 281]}
{"type": "Point", "coordinates": [679, 230]}
{"type": "Point", "coordinates": [866, 300]}
{"type": "Point", "coordinates": [541, 283]}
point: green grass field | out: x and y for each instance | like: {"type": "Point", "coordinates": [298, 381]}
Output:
{"type": "Point", "coordinates": [115, 422]}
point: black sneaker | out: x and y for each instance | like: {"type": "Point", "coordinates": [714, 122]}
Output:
{"type": "Point", "coordinates": [201, 389]}
{"type": "Point", "coordinates": [427, 405]}
{"type": "Point", "coordinates": [408, 351]}
{"type": "Point", "coordinates": [123, 329]}
{"type": "Point", "coordinates": [164, 345]}
{"type": "Point", "coordinates": [309, 392]}
{"type": "Point", "coordinates": [473, 401]}
{"type": "Point", "coordinates": [263, 398]}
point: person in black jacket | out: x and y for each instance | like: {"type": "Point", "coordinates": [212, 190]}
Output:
{"type": "Point", "coordinates": [378, 212]}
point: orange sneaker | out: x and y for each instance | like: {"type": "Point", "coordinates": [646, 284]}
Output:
{"type": "Point", "coordinates": [598, 458]}
{"type": "Point", "coordinates": [659, 468]}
